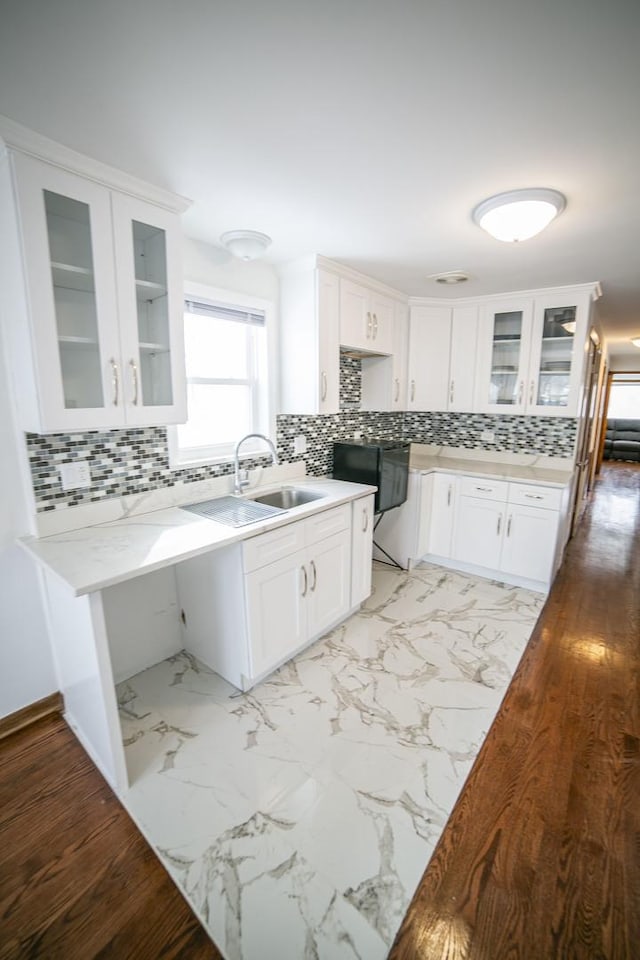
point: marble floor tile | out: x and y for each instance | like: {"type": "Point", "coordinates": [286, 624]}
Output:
{"type": "Point", "coordinates": [298, 818]}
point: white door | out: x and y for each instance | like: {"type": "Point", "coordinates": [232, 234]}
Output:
{"type": "Point", "coordinates": [504, 335]}
{"type": "Point", "coordinates": [277, 611]}
{"type": "Point", "coordinates": [361, 549]}
{"type": "Point", "coordinates": [464, 342]}
{"type": "Point", "coordinates": [329, 573]}
{"type": "Point", "coordinates": [356, 322]}
{"type": "Point", "coordinates": [68, 254]}
{"type": "Point", "coordinates": [529, 542]}
{"type": "Point", "coordinates": [443, 503]}
{"type": "Point", "coordinates": [479, 531]}
{"type": "Point", "coordinates": [429, 349]}
{"type": "Point", "coordinates": [151, 307]}
{"type": "Point", "coordinates": [328, 311]}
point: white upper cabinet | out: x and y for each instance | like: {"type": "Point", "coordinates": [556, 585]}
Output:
{"type": "Point", "coordinates": [531, 354]}
{"type": "Point", "coordinates": [442, 357]}
{"type": "Point", "coordinates": [310, 348]}
{"type": "Point", "coordinates": [96, 320]}
{"type": "Point", "coordinates": [366, 318]}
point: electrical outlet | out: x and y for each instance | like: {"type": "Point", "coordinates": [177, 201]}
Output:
{"type": "Point", "coordinates": [300, 444]}
{"type": "Point", "coordinates": [487, 436]}
{"type": "Point", "coordinates": [75, 475]}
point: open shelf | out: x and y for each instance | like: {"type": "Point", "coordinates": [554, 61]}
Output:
{"type": "Point", "coordinates": [153, 348]}
{"type": "Point", "coordinates": [149, 290]}
{"type": "Point", "coordinates": [79, 343]}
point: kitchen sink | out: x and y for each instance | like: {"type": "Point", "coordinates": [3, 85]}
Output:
{"type": "Point", "coordinates": [288, 497]}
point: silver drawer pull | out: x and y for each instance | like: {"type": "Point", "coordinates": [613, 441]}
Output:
{"type": "Point", "coordinates": [397, 396]}
{"type": "Point", "coordinates": [520, 392]}
{"type": "Point", "coordinates": [509, 526]}
{"type": "Point", "coordinates": [413, 390]}
{"type": "Point", "coordinates": [369, 325]}
{"type": "Point", "coordinates": [305, 580]}
{"type": "Point", "coordinates": [451, 386]}
{"type": "Point", "coordinates": [499, 523]}
{"type": "Point", "coordinates": [449, 496]}
{"type": "Point", "coordinates": [115, 380]}
{"type": "Point", "coordinates": [134, 374]}
{"type": "Point", "coordinates": [375, 326]}
{"type": "Point", "coordinates": [315, 576]}
{"type": "Point", "coordinates": [533, 496]}
{"type": "Point", "coordinates": [485, 489]}
{"type": "Point", "coordinates": [323, 395]}
{"type": "Point", "coordinates": [365, 520]}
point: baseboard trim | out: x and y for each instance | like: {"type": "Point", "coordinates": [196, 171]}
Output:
{"type": "Point", "coordinates": [29, 714]}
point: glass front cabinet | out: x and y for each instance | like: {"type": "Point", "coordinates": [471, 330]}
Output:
{"type": "Point", "coordinates": [103, 286]}
{"type": "Point", "coordinates": [531, 354]}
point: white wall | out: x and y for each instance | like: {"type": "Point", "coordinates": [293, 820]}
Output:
{"type": "Point", "coordinates": [26, 664]}
{"type": "Point", "coordinates": [204, 263]}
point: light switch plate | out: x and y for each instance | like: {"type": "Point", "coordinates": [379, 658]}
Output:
{"type": "Point", "coordinates": [300, 444]}
{"type": "Point", "coordinates": [75, 475]}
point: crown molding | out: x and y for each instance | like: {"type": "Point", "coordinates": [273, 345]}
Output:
{"type": "Point", "coordinates": [592, 290]}
{"type": "Point", "coordinates": [23, 140]}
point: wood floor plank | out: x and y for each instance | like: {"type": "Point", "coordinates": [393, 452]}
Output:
{"type": "Point", "coordinates": [77, 879]}
{"type": "Point", "coordinates": [540, 858]}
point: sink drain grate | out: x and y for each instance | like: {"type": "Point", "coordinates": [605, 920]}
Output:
{"type": "Point", "coordinates": [233, 512]}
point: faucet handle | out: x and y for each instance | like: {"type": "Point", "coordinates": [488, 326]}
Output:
{"type": "Point", "coordinates": [243, 478]}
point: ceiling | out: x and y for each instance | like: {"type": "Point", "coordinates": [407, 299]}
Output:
{"type": "Point", "coordinates": [360, 129]}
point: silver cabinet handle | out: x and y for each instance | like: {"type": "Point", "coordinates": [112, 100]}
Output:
{"type": "Point", "coordinates": [533, 496]}
{"type": "Point", "coordinates": [499, 523]}
{"type": "Point", "coordinates": [397, 396]}
{"type": "Point", "coordinates": [365, 520]}
{"type": "Point", "coordinates": [305, 581]}
{"type": "Point", "coordinates": [531, 389]}
{"type": "Point", "coordinates": [134, 372]}
{"type": "Point", "coordinates": [509, 526]}
{"type": "Point", "coordinates": [323, 394]}
{"type": "Point", "coordinates": [315, 575]}
{"type": "Point", "coordinates": [485, 489]}
{"type": "Point", "coordinates": [115, 381]}
{"type": "Point", "coordinates": [375, 326]}
{"type": "Point", "coordinates": [369, 325]}
{"type": "Point", "coordinates": [520, 392]}
{"type": "Point", "coordinates": [449, 496]}
{"type": "Point", "coordinates": [451, 385]}
{"type": "Point", "coordinates": [413, 390]}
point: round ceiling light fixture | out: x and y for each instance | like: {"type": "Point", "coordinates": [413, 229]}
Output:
{"type": "Point", "coordinates": [635, 341]}
{"type": "Point", "coordinates": [518, 214]}
{"type": "Point", "coordinates": [245, 244]}
{"type": "Point", "coordinates": [453, 276]}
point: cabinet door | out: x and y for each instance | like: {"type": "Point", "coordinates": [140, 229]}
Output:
{"type": "Point", "coordinates": [361, 549]}
{"type": "Point", "coordinates": [479, 531]}
{"type": "Point", "coordinates": [529, 542]}
{"type": "Point", "coordinates": [356, 322]}
{"type": "Point", "coordinates": [151, 302]}
{"type": "Point", "coordinates": [328, 307]}
{"type": "Point", "coordinates": [329, 573]}
{"type": "Point", "coordinates": [400, 357]}
{"type": "Point", "coordinates": [382, 322]}
{"type": "Point", "coordinates": [68, 256]}
{"type": "Point", "coordinates": [504, 336]}
{"type": "Point", "coordinates": [443, 503]}
{"type": "Point", "coordinates": [464, 339]}
{"type": "Point", "coordinates": [277, 600]}
{"type": "Point", "coordinates": [429, 348]}
{"type": "Point", "coordinates": [557, 356]}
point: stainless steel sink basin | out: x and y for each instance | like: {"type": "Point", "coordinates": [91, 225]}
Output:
{"type": "Point", "coordinates": [288, 497]}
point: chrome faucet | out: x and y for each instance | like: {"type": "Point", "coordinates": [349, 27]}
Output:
{"type": "Point", "coordinates": [241, 482]}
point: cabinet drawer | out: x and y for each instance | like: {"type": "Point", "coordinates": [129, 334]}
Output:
{"type": "Point", "coordinates": [484, 489]}
{"type": "Point", "coordinates": [327, 523]}
{"type": "Point", "coordinates": [531, 495]}
{"type": "Point", "coordinates": [269, 547]}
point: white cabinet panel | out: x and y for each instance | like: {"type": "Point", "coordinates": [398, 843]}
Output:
{"type": "Point", "coordinates": [442, 357]}
{"type": "Point", "coordinates": [462, 362]}
{"type": "Point", "coordinates": [276, 611]}
{"type": "Point", "coordinates": [479, 527]}
{"type": "Point", "coordinates": [361, 549]}
{"type": "Point", "coordinates": [443, 507]}
{"type": "Point", "coordinates": [329, 572]}
{"type": "Point", "coordinates": [529, 542]}
{"type": "Point", "coordinates": [366, 318]}
{"type": "Point", "coordinates": [103, 350]}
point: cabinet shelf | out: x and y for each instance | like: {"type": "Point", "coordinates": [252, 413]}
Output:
{"type": "Point", "coordinates": [153, 348]}
{"type": "Point", "coordinates": [78, 343]}
{"type": "Point", "coordinates": [149, 290]}
{"type": "Point", "coordinates": [70, 277]}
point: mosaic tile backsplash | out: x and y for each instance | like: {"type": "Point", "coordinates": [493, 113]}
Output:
{"type": "Point", "coordinates": [135, 461]}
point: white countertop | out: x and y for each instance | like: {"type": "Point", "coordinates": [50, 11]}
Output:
{"type": "Point", "coordinates": [98, 556]}
{"type": "Point", "coordinates": [543, 470]}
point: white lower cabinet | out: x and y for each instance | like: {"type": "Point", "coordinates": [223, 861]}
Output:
{"type": "Point", "coordinates": [247, 609]}
{"type": "Point", "coordinates": [439, 533]}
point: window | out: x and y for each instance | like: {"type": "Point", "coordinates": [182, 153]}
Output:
{"type": "Point", "coordinates": [226, 361]}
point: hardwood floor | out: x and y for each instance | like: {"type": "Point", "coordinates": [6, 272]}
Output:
{"type": "Point", "coordinates": [77, 880]}
{"type": "Point", "coordinates": [541, 856]}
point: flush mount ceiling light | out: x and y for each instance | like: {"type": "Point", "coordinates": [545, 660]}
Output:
{"type": "Point", "coordinates": [453, 276]}
{"type": "Point", "coordinates": [518, 214]}
{"type": "Point", "coordinates": [245, 244]}
{"type": "Point", "coordinates": [635, 341]}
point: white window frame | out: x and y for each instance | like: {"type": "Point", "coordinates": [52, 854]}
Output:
{"type": "Point", "coordinates": [181, 458]}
